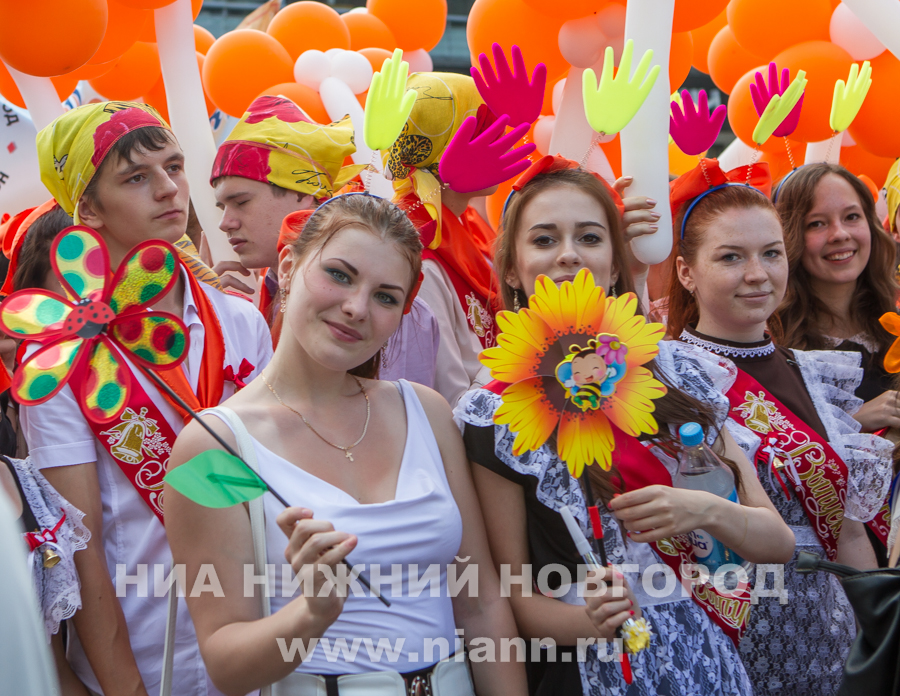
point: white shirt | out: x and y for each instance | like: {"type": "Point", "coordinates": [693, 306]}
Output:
{"type": "Point", "coordinates": [457, 358]}
{"type": "Point", "coordinates": [58, 435]}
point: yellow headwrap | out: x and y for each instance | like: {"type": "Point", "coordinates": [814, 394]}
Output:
{"type": "Point", "coordinates": [276, 143]}
{"type": "Point", "coordinates": [72, 147]}
{"type": "Point", "coordinates": [444, 101]}
{"type": "Point", "coordinates": [892, 188]}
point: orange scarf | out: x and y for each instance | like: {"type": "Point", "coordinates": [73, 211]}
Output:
{"type": "Point", "coordinates": [212, 368]}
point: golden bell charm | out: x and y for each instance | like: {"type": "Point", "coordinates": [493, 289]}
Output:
{"type": "Point", "coordinates": [51, 558]}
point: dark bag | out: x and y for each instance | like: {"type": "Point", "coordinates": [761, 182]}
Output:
{"type": "Point", "coordinates": [873, 665]}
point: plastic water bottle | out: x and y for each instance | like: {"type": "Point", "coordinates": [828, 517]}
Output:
{"type": "Point", "coordinates": [701, 470]}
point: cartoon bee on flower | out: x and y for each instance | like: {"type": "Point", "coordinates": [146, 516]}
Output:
{"type": "Point", "coordinates": [590, 374]}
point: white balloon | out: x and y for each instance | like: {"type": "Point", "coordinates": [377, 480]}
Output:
{"type": "Point", "coordinates": [187, 110]}
{"type": "Point", "coordinates": [882, 18]}
{"type": "Point", "coordinates": [847, 139]}
{"type": "Point", "coordinates": [611, 20]}
{"type": "Point", "coordinates": [419, 61]}
{"type": "Point", "coordinates": [581, 41]}
{"type": "Point", "coordinates": [849, 32]}
{"type": "Point", "coordinates": [543, 131]}
{"type": "Point", "coordinates": [20, 177]}
{"type": "Point", "coordinates": [311, 68]}
{"type": "Point", "coordinates": [572, 134]}
{"type": "Point", "coordinates": [556, 100]}
{"type": "Point", "coordinates": [332, 52]}
{"type": "Point", "coordinates": [645, 141]}
{"type": "Point", "coordinates": [354, 69]}
{"type": "Point", "coordinates": [359, 10]}
{"type": "Point", "coordinates": [39, 96]}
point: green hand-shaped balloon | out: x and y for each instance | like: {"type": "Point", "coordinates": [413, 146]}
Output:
{"type": "Point", "coordinates": [610, 107]}
{"type": "Point", "coordinates": [848, 99]}
{"type": "Point", "coordinates": [778, 109]}
{"type": "Point", "coordinates": [388, 103]}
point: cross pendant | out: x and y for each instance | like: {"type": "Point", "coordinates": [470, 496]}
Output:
{"type": "Point", "coordinates": [348, 455]}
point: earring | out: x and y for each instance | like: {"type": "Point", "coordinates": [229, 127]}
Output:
{"type": "Point", "coordinates": [384, 355]}
{"type": "Point", "coordinates": [516, 305]}
{"type": "Point", "coordinates": [283, 300]}
{"type": "Point", "coordinates": [615, 292]}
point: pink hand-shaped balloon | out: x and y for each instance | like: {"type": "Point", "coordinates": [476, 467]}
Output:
{"type": "Point", "coordinates": [510, 92]}
{"type": "Point", "coordinates": [694, 130]}
{"type": "Point", "coordinates": [475, 164]}
{"type": "Point", "coordinates": [762, 94]}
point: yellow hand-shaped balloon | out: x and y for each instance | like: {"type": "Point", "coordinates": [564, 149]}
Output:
{"type": "Point", "coordinates": [778, 109]}
{"type": "Point", "coordinates": [610, 107]}
{"type": "Point", "coordinates": [848, 99]}
{"type": "Point", "coordinates": [388, 103]}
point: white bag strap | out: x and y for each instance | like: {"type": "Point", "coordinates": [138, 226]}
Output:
{"type": "Point", "coordinates": [247, 452]}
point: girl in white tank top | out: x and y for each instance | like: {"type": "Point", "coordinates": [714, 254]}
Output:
{"type": "Point", "coordinates": [376, 477]}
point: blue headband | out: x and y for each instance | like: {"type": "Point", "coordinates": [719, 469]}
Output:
{"type": "Point", "coordinates": [781, 183]}
{"type": "Point", "coordinates": [703, 195]}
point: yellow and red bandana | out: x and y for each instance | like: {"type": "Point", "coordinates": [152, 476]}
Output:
{"type": "Point", "coordinates": [74, 145]}
{"type": "Point", "coordinates": [443, 102]}
{"type": "Point", "coordinates": [276, 143]}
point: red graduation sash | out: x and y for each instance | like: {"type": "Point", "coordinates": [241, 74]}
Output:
{"type": "Point", "coordinates": [477, 308]}
{"type": "Point", "coordinates": [808, 465]}
{"type": "Point", "coordinates": [640, 468]}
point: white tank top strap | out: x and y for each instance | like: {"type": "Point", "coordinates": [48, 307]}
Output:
{"type": "Point", "coordinates": [420, 433]}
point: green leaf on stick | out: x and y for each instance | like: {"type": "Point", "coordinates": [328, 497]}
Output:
{"type": "Point", "coordinates": [216, 479]}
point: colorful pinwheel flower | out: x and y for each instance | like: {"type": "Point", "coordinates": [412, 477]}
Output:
{"type": "Point", "coordinates": [550, 355]}
{"type": "Point", "coordinates": [104, 316]}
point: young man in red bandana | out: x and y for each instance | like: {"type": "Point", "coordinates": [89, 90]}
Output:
{"type": "Point", "coordinates": [276, 162]}
{"type": "Point", "coordinates": [118, 169]}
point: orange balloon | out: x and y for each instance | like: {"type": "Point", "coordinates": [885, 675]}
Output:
{"type": "Point", "coordinates": [860, 161]}
{"type": "Point", "coordinates": [147, 4]}
{"type": "Point", "coordinates": [780, 163]}
{"type": "Point", "coordinates": [367, 31]}
{"type": "Point", "coordinates": [361, 98]}
{"type": "Point", "coordinates": [509, 22]}
{"type": "Point", "coordinates": [240, 65]}
{"type": "Point", "coordinates": [703, 37]}
{"type": "Point", "coordinates": [89, 71]}
{"type": "Point", "coordinates": [691, 14]}
{"type": "Point", "coordinates": [53, 37]}
{"type": "Point", "coordinates": [875, 126]}
{"type": "Point", "coordinates": [305, 97]}
{"type": "Point", "coordinates": [766, 27]}
{"type": "Point", "coordinates": [123, 29]}
{"type": "Point", "coordinates": [203, 39]}
{"type": "Point", "coordinates": [306, 25]}
{"type": "Point", "coordinates": [376, 56]}
{"type": "Point", "coordinates": [741, 114]}
{"type": "Point", "coordinates": [680, 57]}
{"type": "Point", "coordinates": [133, 75]}
{"type": "Point", "coordinates": [728, 60]}
{"type": "Point", "coordinates": [65, 85]}
{"type": "Point", "coordinates": [825, 63]}
{"type": "Point", "coordinates": [415, 24]}
{"type": "Point", "coordinates": [156, 96]}
{"type": "Point", "coordinates": [148, 33]}
{"type": "Point", "coordinates": [570, 9]}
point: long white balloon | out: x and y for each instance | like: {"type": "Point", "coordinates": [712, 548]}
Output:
{"type": "Point", "coordinates": [824, 151]}
{"type": "Point", "coordinates": [187, 110]}
{"type": "Point", "coordinates": [40, 97]}
{"type": "Point", "coordinates": [339, 101]}
{"type": "Point", "coordinates": [882, 18]}
{"type": "Point", "coordinates": [645, 141]}
{"type": "Point", "coordinates": [737, 154]}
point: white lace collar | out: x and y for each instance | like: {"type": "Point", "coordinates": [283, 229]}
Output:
{"type": "Point", "coordinates": [757, 351]}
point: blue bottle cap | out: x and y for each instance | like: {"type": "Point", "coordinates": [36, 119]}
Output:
{"type": "Point", "coordinates": [690, 434]}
